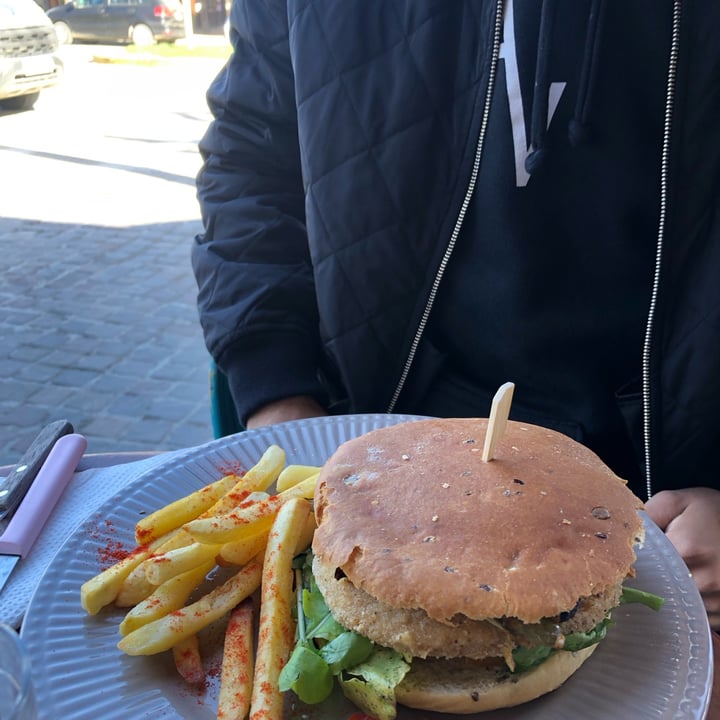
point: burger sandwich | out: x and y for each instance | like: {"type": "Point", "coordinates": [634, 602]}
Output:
{"type": "Point", "coordinates": [444, 582]}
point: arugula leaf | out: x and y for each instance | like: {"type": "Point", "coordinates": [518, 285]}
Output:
{"type": "Point", "coordinates": [527, 658]}
{"type": "Point", "coordinates": [633, 595]}
{"type": "Point", "coordinates": [326, 628]}
{"type": "Point", "coordinates": [345, 651]}
{"type": "Point", "coordinates": [307, 675]}
{"type": "Point", "coordinates": [580, 640]}
{"type": "Point", "coordinates": [320, 623]}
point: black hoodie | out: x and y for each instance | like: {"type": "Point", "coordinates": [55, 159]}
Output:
{"type": "Point", "coordinates": [549, 283]}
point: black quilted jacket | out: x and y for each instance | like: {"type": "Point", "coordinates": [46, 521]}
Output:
{"type": "Point", "coordinates": [305, 144]}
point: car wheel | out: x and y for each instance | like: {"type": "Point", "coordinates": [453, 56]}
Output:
{"type": "Point", "coordinates": [20, 102]}
{"type": "Point", "coordinates": [142, 35]}
{"type": "Point", "coordinates": [63, 32]}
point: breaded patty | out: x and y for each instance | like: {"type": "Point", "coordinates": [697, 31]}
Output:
{"type": "Point", "coordinates": [412, 632]}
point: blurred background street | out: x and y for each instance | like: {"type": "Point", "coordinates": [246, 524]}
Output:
{"type": "Point", "coordinates": [98, 322]}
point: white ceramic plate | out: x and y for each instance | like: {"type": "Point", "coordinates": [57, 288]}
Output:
{"type": "Point", "coordinates": [651, 665]}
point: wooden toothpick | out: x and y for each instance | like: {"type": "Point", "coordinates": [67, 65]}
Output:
{"type": "Point", "coordinates": [497, 421]}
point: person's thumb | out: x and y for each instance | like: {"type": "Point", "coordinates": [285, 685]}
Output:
{"type": "Point", "coordinates": [664, 507]}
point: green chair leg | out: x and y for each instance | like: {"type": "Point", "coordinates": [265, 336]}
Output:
{"type": "Point", "coordinates": [222, 409]}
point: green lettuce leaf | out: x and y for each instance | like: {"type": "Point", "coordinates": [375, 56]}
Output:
{"type": "Point", "coordinates": [371, 684]}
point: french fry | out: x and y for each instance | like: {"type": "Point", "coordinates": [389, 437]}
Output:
{"type": "Point", "coordinates": [102, 589]}
{"type": "Point", "coordinates": [265, 472]}
{"type": "Point", "coordinates": [180, 511]}
{"type": "Point", "coordinates": [237, 665]}
{"type": "Point", "coordinates": [276, 627]}
{"type": "Point", "coordinates": [161, 567]}
{"type": "Point", "coordinates": [257, 479]}
{"type": "Point", "coordinates": [240, 551]}
{"type": "Point", "coordinates": [161, 634]}
{"type": "Point", "coordinates": [166, 598]}
{"type": "Point", "coordinates": [304, 489]}
{"type": "Point", "coordinates": [306, 536]}
{"type": "Point", "coordinates": [293, 474]}
{"type": "Point", "coordinates": [136, 587]}
{"type": "Point", "coordinates": [248, 518]}
{"type": "Point", "coordinates": [188, 661]}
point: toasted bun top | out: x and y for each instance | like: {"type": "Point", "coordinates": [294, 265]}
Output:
{"type": "Point", "coordinates": [413, 516]}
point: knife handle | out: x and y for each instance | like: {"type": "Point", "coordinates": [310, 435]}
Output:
{"type": "Point", "coordinates": [19, 479]}
{"type": "Point", "coordinates": [43, 495]}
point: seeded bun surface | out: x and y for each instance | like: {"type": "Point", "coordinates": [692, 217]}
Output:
{"type": "Point", "coordinates": [413, 516]}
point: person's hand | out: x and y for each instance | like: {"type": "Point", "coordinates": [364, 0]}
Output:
{"type": "Point", "coordinates": [292, 408]}
{"type": "Point", "coordinates": [691, 521]}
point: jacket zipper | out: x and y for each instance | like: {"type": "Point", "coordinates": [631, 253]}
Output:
{"type": "Point", "coordinates": [662, 223]}
{"type": "Point", "coordinates": [497, 35]}
{"type": "Point", "coordinates": [649, 329]}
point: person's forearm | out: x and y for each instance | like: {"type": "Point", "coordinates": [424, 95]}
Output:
{"type": "Point", "coordinates": [292, 408]}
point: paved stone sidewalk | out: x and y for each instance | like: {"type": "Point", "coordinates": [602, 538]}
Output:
{"type": "Point", "coordinates": [99, 326]}
{"type": "Point", "coordinates": [98, 319]}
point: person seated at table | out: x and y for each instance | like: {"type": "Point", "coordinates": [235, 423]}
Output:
{"type": "Point", "coordinates": [407, 203]}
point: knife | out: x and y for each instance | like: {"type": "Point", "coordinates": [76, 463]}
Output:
{"type": "Point", "coordinates": [20, 478]}
{"type": "Point", "coordinates": [41, 498]}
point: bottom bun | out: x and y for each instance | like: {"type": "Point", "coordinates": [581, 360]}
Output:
{"type": "Point", "coordinates": [471, 687]}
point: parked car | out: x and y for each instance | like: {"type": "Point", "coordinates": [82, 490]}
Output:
{"type": "Point", "coordinates": [142, 22]}
{"type": "Point", "coordinates": [28, 54]}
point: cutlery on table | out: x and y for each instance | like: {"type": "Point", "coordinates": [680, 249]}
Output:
{"type": "Point", "coordinates": [18, 481]}
{"type": "Point", "coordinates": [32, 513]}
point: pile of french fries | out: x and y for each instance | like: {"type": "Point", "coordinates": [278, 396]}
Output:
{"type": "Point", "coordinates": [233, 522]}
